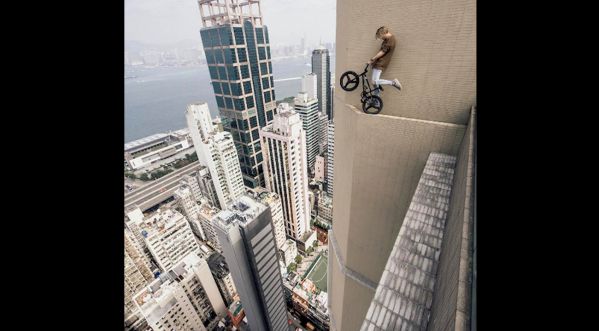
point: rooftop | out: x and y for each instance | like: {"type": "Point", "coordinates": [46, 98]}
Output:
{"type": "Point", "coordinates": [243, 210]}
{"type": "Point", "coordinates": [146, 140]}
{"type": "Point", "coordinates": [160, 221]}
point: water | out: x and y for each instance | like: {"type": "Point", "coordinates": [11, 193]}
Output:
{"type": "Point", "coordinates": [156, 99]}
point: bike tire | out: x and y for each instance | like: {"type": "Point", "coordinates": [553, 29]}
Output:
{"type": "Point", "coordinates": [349, 81]}
{"type": "Point", "coordinates": [369, 108]}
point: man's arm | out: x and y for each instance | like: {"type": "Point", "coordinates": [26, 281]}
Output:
{"type": "Point", "coordinates": [378, 55]}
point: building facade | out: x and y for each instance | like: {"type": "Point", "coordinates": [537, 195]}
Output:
{"type": "Point", "coordinates": [165, 306]}
{"type": "Point", "coordinates": [217, 151]}
{"type": "Point", "coordinates": [330, 157]}
{"type": "Point", "coordinates": [307, 108]}
{"type": "Point", "coordinates": [206, 215]}
{"type": "Point", "coordinates": [321, 66]}
{"type": "Point", "coordinates": [378, 159]}
{"type": "Point", "coordinates": [310, 86]}
{"type": "Point", "coordinates": [284, 148]}
{"type": "Point", "coordinates": [319, 166]}
{"type": "Point", "coordinates": [169, 238]}
{"type": "Point", "coordinates": [246, 233]}
{"type": "Point", "coordinates": [237, 51]}
{"type": "Point", "coordinates": [222, 276]}
{"type": "Point", "coordinates": [272, 200]}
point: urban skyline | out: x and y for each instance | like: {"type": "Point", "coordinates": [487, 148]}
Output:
{"type": "Point", "coordinates": [231, 222]}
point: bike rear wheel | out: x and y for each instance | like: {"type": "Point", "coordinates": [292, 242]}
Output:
{"type": "Point", "coordinates": [349, 81]}
{"type": "Point", "coordinates": [372, 104]}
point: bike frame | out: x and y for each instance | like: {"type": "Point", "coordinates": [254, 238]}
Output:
{"type": "Point", "coordinates": [366, 89]}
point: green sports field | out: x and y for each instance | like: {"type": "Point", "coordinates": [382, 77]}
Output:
{"type": "Point", "coordinates": [318, 273]}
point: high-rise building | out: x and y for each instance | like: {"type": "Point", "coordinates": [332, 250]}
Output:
{"type": "Point", "coordinates": [310, 86]}
{"type": "Point", "coordinates": [323, 126]}
{"type": "Point", "coordinates": [186, 201]}
{"type": "Point", "coordinates": [379, 159]}
{"type": "Point", "coordinates": [165, 306]}
{"type": "Point", "coordinates": [319, 169]}
{"type": "Point", "coordinates": [321, 66]}
{"type": "Point", "coordinates": [169, 237]}
{"type": "Point", "coordinates": [246, 233]}
{"type": "Point", "coordinates": [284, 148]}
{"type": "Point", "coordinates": [191, 181]}
{"type": "Point", "coordinates": [237, 51]}
{"type": "Point", "coordinates": [307, 108]}
{"type": "Point", "coordinates": [137, 274]}
{"type": "Point", "coordinates": [206, 215]}
{"type": "Point", "coordinates": [272, 200]}
{"type": "Point", "coordinates": [330, 157]}
{"type": "Point", "coordinates": [222, 276]}
{"type": "Point", "coordinates": [207, 186]}
{"type": "Point", "coordinates": [194, 275]}
{"type": "Point", "coordinates": [215, 150]}
{"type": "Point", "coordinates": [325, 207]}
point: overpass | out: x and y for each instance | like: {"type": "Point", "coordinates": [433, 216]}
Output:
{"type": "Point", "coordinates": [158, 190]}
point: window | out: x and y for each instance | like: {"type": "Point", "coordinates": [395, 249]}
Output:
{"type": "Point", "coordinates": [220, 102]}
{"type": "Point", "coordinates": [265, 84]}
{"type": "Point", "coordinates": [233, 73]}
{"type": "Point", "coordinates": [213, 72]}
{"type": "Point", "coordinates": [247, 87]}
{"type": "Point", "coordinates": [267, 96]}
{"type": "Point", "coordinates": [222, 73]}
{"type": "Point", "coordinates": [236, 89]}
{"type": "Point", "coordinates": [229, 103]}
{"type": "Point", "coordinates": [226, 90]}
{"type": "Point", "coordinates": [245, 72]}
{"type": "Point", "coordinates": [230, 56]}
{"type": "Point", "coordinates": [225, 35]}
{"type": "Point", "coordinates": [253, 122]}
{"type": "Point", "coordinates": [217, 89]}
{"type": "Point", "coordinates": [239, 104]}
{"type": "Point", "coordinates": [259, 36]}
{"type": "Point", "coordinates": [250, 101]}
{"type": "Point", "coordinates": [261, 53]}
{"type": "Point", "coordinates": [263, 68]}
{"type": "Point", "coordinates": [268, 51]}
{"type": "Point", "coordinates": [239, 40]}
{"type": "Point", "coordinates": [218, 56]}
{"type": "Point", "coordinates": [241, 53]}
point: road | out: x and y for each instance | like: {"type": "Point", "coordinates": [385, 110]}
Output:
{"type": "Point", "coordinates": [158, 190]}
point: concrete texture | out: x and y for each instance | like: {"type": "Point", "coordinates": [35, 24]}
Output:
{"type": "Point", "coordinates": [404, 294]}
{"type": "Point", "coordinates": [435, 56]}
{"type": "Point", "coordinates": [452, 297]}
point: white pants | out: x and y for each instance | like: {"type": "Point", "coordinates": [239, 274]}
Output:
{"type": "Point", "coordinates": [376, 79]}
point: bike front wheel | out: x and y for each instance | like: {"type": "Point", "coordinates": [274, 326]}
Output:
{"type": "Point", "coordinates": [372, 104]}
{"type": "Point", "coordinates": [349, 81]}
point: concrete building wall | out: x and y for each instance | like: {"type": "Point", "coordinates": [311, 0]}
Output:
{"type": "Point", "coordinates": [379, 159]}
{"type": "Point", "coordinates": [435, 56]}
{"type": "Point", "coordinates": [451, 299]}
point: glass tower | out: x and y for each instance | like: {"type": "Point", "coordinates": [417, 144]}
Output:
{"type": "Point", "coordinates": [237, 50]}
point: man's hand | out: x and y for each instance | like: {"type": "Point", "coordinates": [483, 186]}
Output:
{"type": "Point", "coordinates": [369, 62]}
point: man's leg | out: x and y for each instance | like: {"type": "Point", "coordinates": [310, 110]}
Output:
{"type": "Point", "coordinates": [379, 81]}
{"type": "Point", "coordinates": [376, 75]}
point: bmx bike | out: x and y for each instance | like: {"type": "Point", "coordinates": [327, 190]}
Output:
{"type": "Point", "coordinates": [371, 103]}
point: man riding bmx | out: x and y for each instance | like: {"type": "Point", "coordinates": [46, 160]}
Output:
{"type": "Point", "coordinates": [381, 60]}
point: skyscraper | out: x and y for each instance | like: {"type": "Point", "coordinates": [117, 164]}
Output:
{"type": "Point", "coordinates": [246, 233]}
{"type": "Point", "coordinates": [307, 108]}
{"type": "Point", "coordinates": [215, 150]}
{"type": "Point", "coordinates": [321, 66]}
{"type": "Point", "coordinates": [310, 86]}
{"type": "Point", "coordinates": [378, 160]}
{"type": "Point", "coordinates": [284, 147]}
{"type": "Point", "coordinates": [330, 157]}
{"type": "Point", "coordinates": [237, 51]}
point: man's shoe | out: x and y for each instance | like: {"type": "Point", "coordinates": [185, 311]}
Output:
{"type": "Point", "coordinates": [397, 84]}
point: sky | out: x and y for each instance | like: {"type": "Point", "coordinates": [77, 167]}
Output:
{"type": "Point", "coordinates": [172, 21]}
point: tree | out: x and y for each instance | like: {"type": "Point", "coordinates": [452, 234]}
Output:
{"type": "Point", "coordinates": [292, 267]}
{"type": "Point", "coordinates": [309, 250]}
{"type": "Point", "coordinates": [144, 177]}
{"type": "Point", "coordinates": [298, 259]}
{"type": "Point", "coordinates": [315, 244]}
